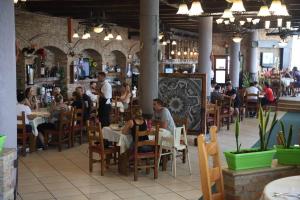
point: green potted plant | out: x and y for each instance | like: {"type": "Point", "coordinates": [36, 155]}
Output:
{"type": "Point", "coordinates": [254, 157]}
{"type": "Point", "coordinates": [2, 142]}
{"type": "Point", "coordinates": [286, 153]}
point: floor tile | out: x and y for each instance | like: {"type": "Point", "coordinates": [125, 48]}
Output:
{"type": "Point", "coordinates": [157, 189]}
{"type": "Point", "coordinates": [66, 192]}
{"type": "Point", "coordinates": [37, 196]}
{"type": "Point", "coordinates": [59, 185]}
{"type": "Point", "coordinates": [177, 187]}
{"type": "Point", "coordinates": [32, 189]}
{"type": "Point", "coordinates": [119, 186]}
{"type": "Point", "coordinates": [132, 193]}
{"type": "Point", "coordinates": [92, 189]}
{"type": "Point", "coordinates": [167, 196]}
{"type": "Point", "coordinates": [76, 197]}
{"type": "Point", "coordinates": [103, 196]}
{"type": "Point", "coordinates": [193, 194]}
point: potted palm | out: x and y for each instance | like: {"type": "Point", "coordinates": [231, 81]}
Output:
{"type": "Point", "coordinates": [254, 157]}
{"type": "Point", "coordinates": [286, 153]}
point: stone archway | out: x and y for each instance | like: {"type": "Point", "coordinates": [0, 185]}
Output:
{"type": "Point", "coordinates": [55, 57]}
{"type": "Point", "coordinates": [118, 58]}
{"type": "Point", "coordinates": [96, 57]}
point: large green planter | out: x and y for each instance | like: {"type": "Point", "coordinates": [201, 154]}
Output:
{"type": "Point", "coordinates": [289, 156]}
{"type": "Point", "coordinates": [251, 160]}
{"type": "Point", "coordinates": [2, 141]}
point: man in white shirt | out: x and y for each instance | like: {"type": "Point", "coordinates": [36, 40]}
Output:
{"type": "Point", "coordinates": [91, 92]}
{"type": "Point", "coordinates": [26, 109]}
{"type": "Point", "coordinates": [252, 90]}
{"type": "Point", "coordinates": [104, 100]}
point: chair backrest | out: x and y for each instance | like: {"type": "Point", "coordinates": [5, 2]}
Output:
{"type": "Point", "coordinates": [153, 142]}
{"type": "Point", "coordinates": [210, 175]}
{"type": "Point", "coordinates": [251, 95]}
{"type": "Point", "coordinates": [21, 126]}
{"type": "Point", "coordinates": [95, 135]}
{"type": "Point", "coordinates": [179, 136]}
{"type": "Point", "coordinates": [65, 121]}
{"type": "Point", "coordinates": [78, 116]}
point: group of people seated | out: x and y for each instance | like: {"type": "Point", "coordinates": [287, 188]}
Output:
{"type": "Point", "coordinates": [266, 93]}
{"type": "Point", "coordinates": [99, 94]}
{"type": "Point", "coordinates": [292, 75]}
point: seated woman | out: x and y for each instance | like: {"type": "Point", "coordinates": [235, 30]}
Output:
{"type": "Point", "coordinates": [55, 110]}
{"type": "Point", "coordinates": [30, 99]}
{"type": "Point", "coordinates": [125, 95]}
{"type": "Point", "coordinates": [268, 95]}
{"type": "Point", "coordinates": [21, 107]}
{"type": "Point", "coordinates": [130, 128]}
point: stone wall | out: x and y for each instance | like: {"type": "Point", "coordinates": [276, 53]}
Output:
{"type": "Point", "coordinates": [249, 184]}
{"type": "Point", "coordinates": [42, 31]}
{"type": "Point", "coordinates": [7, 174]}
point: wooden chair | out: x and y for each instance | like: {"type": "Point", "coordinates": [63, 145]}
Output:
{"type": "Point", "coordinates": [139, 157]}
{"type": "Point", "coordinates": [252, 103]}
{"type": "Point", "coordinates": [226, 110]}
{"type": "Point", "coordinates": [77, 125]}
{"type": "Point", "coordinates": [22, 135]}
{"type": "Point", "coordinates": [212, 115]}
{"type": "Point", "coordinates": [183, 121]}
{"type": "Point", "coordinates": [210, 175]}
{"type": "Point", "coordinates": [63, 133]}
{"type": "Point", "coordinates": [96, 145]}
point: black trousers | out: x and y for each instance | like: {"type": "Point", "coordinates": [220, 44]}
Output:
{"type": "Point", "coordinates": [104, 114]}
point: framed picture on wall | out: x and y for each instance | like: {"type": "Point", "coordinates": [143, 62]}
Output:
{"type": "Point", "coordinates": [267, 59]}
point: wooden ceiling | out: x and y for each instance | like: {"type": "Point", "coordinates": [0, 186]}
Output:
{"type": "Point", "coordinates": [126, 12]}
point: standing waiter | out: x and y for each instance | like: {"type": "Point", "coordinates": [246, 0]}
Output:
{"type": "Point", "coordinates": [104, 99]}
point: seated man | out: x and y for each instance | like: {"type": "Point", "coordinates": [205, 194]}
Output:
{"type": "Point", "coordinates": [252, 90]}
{"type": "Point", "coordinates": [232, 93]}
{"type": "Point", "coordinates": [21, 107]}
{"type": "Point", "coordinates": [163, 116]}
{"type": "Point", "coordinates": [216, 95]}
{"type": "Point", "coordinates": [82, 100]}
{"type": "Point", "coordinates": [296, 84]}
{"type": "Point", "coordinates": [268, 95]}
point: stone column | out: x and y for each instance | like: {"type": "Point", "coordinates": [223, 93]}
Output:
{"type": "Point", "coordinates": [205, 49]}
{"type": "Point", "coordinates": [235, 63]}
{"type": "Point", "coordinates": [149, 27]}
{"type": "Point", "coordinates": [252, 65]}
{"type": "Point", "coordinates": [8, 116]}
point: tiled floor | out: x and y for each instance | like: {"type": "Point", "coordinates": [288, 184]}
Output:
{"type": "Point", "coordinates": [65, 176]}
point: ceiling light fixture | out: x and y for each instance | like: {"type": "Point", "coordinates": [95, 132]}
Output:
{"type": "Point", "coordinates": [110, 36]}
{"type": "Point", "coordinates": [161, 35]}
{"type": "Point", "coordinates": [249, 19]}
{"type": "Point", "coordinates": [106, 38]}
{"type": "Point", "coordinates": [219, 21]}
{"type": "Point", "coordinates": [264, 12]}
{"type": "Point", "coordinates": [119, 37]}
{"type": "Point", "coordinates": [85, 36]}
{"type": "Point", "coordinates": [179, 53]}
{"type": "Point", "coordinates": [98, 29]}
{"type": "Point", "coordinates": [283, 11]}
{"type": "Point", "coordinates": [196, 9]}
{"type": "Point", "coordinates": [183, 9]}
{"type": "Point", "coordinates": [174, 42]}
{"type": "Point", "coordinates": [279, 22]}
{"type": "Point", "coordinates": [15, 1]}
{"type": "Point", "coordinates": [242, 22]}
{"type": "Point", "coordinates": [237, 6]}
{"type": "Point", "coordinates": [226, 22]}
{"type": "Point", "coordinates": [231, 19]}
{"type": "Point", "coordinates": [164, 43]}
{"type": "Point", "coordinates": [267, 24]}
{"type": "Point", "coordinates": [75, 35]}
{"type": "Point", "coordinates": [275, 7]}
{"type": "Point", "coordinates": [172, 52]}
{"type": "Point", "coordinates": [288, 24]}
{"type": "Point", "coordinates": [227, 14]}
{"type": "Point", "coordinates": [237, 39]}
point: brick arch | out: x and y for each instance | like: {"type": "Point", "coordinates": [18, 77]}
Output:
{"type": "Point", "coordinates": [60, 56]}
{"type": "Point", "coordinates": [51, 42]}
{"type": "Point", "coordinates": [96, 56]}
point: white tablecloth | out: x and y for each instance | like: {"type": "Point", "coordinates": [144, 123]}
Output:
{"type": "Point", "coordinates": [34, 124]}
{"type": "Point", "coordinates": [125, 141]}
{"type": "Point", "coordinates": [289, 185]}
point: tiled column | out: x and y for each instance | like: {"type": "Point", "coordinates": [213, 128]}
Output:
{"type": "Point", "coordinates": [205, 49]}
{"type": "Point", "coordinates": [252, 65]}
{"type": "Point", "coordinates": [149, 27]}
{"type": "Point", "coordinates": [235, 63]}
{"type": "Point", "coordinates": [8, 117]}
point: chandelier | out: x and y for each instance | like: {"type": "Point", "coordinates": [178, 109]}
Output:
{"type": "Point", "coordinates": [236, 19]}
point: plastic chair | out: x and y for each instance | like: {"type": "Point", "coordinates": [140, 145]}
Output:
{"type": "Point", "coordinates": [173, 145]}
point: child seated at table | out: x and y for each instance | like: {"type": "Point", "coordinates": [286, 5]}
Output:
{"type": "Point", "coordinates": [130, 128]}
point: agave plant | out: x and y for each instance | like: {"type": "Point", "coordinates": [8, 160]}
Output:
{"type": "Point", "coordinates": [264, 134]}
{"type": "Point", "coordinates": [237, 134]}
{"type": "Point", "coordinates": [282, 136]}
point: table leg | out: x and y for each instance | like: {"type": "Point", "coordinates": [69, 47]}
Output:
{"type": "Point", "coordinates": [32, 143]}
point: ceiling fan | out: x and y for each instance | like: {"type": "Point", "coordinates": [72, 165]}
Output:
{"type": "Point", "coordinates": [97, 21]}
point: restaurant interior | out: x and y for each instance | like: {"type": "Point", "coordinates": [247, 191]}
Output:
{"type": "Point", "coordinates": [150, 99]}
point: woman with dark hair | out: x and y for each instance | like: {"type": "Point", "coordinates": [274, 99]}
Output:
{"type": "Point", "coordinates": [268, 95]}
{"type": "Point", "coordinates": [30, 99]}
